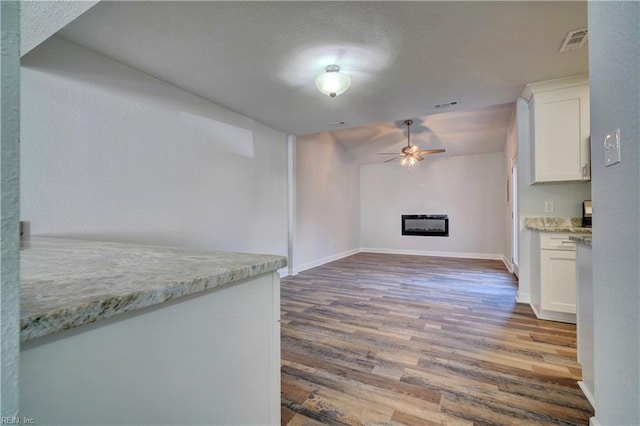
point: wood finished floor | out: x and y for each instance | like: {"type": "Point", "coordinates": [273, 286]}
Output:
{"type": "Point", "coordinates": [388, 339]}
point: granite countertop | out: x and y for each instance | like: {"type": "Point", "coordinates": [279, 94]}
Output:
{"type": "Point", "coordinates": [571, 225]}
{"type": "Point", "coordinates": [582, 239]}
{"type": "Point", "coordinates": [68, 283]}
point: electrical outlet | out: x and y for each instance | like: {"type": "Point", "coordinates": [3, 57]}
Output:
{"type": "Point", "coordinates": [612, 154]}
{"type": "Point", "coordinates": [548, 206]}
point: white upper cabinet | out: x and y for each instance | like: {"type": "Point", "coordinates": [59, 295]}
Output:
{"type": "Point", "coordinates": [560, 130]}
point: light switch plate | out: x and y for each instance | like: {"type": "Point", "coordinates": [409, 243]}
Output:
{"type": "Point", "coordinates": [548, 206]}
{"type": "Point", "coordinates": [612, 154]}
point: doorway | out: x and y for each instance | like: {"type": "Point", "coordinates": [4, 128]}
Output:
{"type": "Point", "coordinates": [514, 216]}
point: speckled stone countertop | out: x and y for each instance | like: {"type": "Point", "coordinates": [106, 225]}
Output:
{"type": "Point", "coordinates": [581, 239]}
{"type": "Point", "coordinates": [68, 283]}
{"type": "Point", "coordinates": [557, 224]}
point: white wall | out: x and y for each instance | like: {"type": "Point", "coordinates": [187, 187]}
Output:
{"type": "Point", "coordinates": [567, 199]}
{"type": "Point", "coordinates": [327, 202]}
{"type": "Point", "coordinates": [614, 70]}
{"type": "Point", "coordinates": [10, 193]}
{"type": "Point", "coordinates": [109, 153]}
{"type": "Point", "coordinates": [470, 189]}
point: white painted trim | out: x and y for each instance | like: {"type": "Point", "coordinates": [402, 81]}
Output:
{"type": "Point", "coordinates": [587, 393]}
{"type": "Point", "coordinates": [461, 255]}
{"type": "Point", "coordinates": [275, 352]}
{"type": "Point", "coordinates": [523, 297]}
{"type": "Point", "coordinates": [324, 260]}
{"type": "Point", "coordinates": [291, 202]}
{"type": "Point", "coordinates": [535, 310]}
{"type": "Point", "coordinates": [560, 83]}
{"type": "Point", "coordinates": [593, 421]}
{"type": "Point", "coordinates": [553, 316]}
{"type": "Point", "coordinates": [507, 263]}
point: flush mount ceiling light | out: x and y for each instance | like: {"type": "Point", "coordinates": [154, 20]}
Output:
{"type": "Point", "coordinates": [333, 83]}
{"type": "Point", "coordinates": [411, 154]}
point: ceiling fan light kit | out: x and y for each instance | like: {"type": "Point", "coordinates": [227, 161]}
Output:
{"type": "Point", "coordinates": [411, 154]}
{"type": "Point", "coordinates": [333, 83]}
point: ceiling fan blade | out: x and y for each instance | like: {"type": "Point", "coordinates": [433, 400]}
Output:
{"type": "Point", "coordinates": [387, 153]}
{"type": "Point", "coordinates": [394, 158]}
{"type": "Point", "coordinates": [413, 149]}
{"type": "Point", "coordinates": [431, 151]}
{"type": "Point", "coordinates": [418, 157]}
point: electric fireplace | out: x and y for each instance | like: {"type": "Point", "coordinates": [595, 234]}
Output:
{"type": "Point", "coordinates": [435, 225]}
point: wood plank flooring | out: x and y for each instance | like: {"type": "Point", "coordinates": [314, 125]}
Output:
{"type": "Point", "coordinates": [377, 339]}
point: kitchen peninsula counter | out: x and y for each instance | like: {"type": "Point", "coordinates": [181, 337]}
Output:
{"type": "Point", "coordinates": [129, 334]}
{"type": "Point", "coordinates": [571, 225]}
{"type": "Point", "coordinates": [68, 283]}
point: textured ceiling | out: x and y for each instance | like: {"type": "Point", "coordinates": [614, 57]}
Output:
{"type": "Point", "coordinates": [261, 58]}
{"type": "Point", "coordinates": [40, 19]}
{"type": "Point", "coordinates": [478, 131]}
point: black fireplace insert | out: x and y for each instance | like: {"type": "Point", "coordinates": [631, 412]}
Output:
{"type": "Point", "coordinates": [435, 225]}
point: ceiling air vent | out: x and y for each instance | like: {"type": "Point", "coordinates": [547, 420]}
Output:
{"type": "Point", "coordinates": [574, 40]}
{"type": "Point", "coordinates": [336, 123]}
{"type": "Point", "coordinates": [446, 104]}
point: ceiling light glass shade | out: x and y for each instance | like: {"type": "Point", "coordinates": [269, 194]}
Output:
{"type": "Point", "coordinates": [408, 160]}
{"type": "Point", "coordinates": [333, 83]}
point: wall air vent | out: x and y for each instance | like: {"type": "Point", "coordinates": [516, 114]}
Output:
{"type": "Point", "coordinates": [574, 40]}
{"type": "Point", "coordinates": [447, 104]}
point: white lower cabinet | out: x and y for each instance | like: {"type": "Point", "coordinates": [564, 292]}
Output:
{"type": "Point", "coordinates": [585, 321]}
{"type": "Point", "coordinates": [554, 295]}
{"type": "Point", "coordinates": [558, 274]}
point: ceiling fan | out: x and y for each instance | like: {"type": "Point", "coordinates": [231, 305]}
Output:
{"type": "Point", "coordinates": [410, 154]}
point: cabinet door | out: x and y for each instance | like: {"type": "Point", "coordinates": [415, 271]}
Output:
{"type": "Point", "coordinates": [561, 135]}
{"type": "Point", "coordinates": [558, 279]}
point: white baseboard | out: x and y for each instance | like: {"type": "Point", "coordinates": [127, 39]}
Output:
{"type": "Point", "coordinates": [461, 255]}
{"type": "Point", "coordinates": [284, 272]}
{"type": "Point", "coordinates": [587, 393]}
{"type": "Point", "coordinates": [508, 264]}
{"type": "Point", "coordinates": [593, 421]}
{"type": "Point", "coordinates": [553, 316]}
{"type": "Point", "coordinates": [318, 262]}
{"type": "Point", "coordinates": [535, 310]}
{"type": "Point", "coordinates": [523, 297]}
